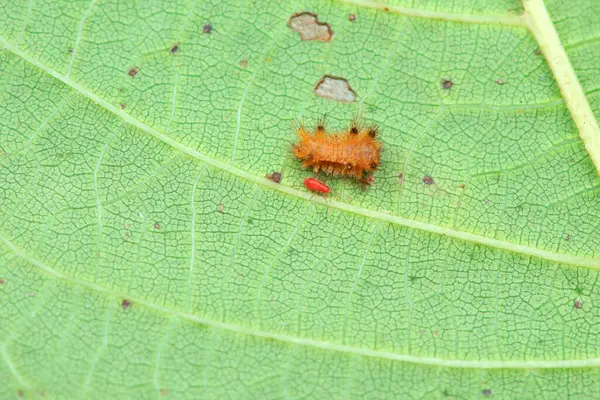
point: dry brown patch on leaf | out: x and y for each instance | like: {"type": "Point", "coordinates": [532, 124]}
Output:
{"type": "Point", "coordinates": [275, 176]}
{"type": "Point", "coordinates": [335, 88]}
{"type": "Point", "coordinates": [308, 26]}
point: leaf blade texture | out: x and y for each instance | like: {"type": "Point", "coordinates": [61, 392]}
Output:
{"type": "Point", "coordinates": [143, 254]}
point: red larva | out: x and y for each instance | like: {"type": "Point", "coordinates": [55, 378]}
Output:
{"type": "Point", "coordinates": [315, 185]}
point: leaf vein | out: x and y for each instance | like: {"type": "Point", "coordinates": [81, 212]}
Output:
{"type": "Point", "coordinates": [509, 20]}
{"type": "Point", "coordinates": [295, 340]}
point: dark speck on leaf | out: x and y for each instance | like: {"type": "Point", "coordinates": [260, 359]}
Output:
{"type": "Point", "coordinates": [487, 392]}
{"type": "Point", "coordinates": [207, 28]}
{"type": "Point", "coordinates": [427, 180]}
{"type": "Point", "coordinates": [578, 304]}
{"type": "Point", "coordinates": [125, 304]}
{"type": "Point", "coordinates": [447, 84]}
{"type": "Point", "coordinates": [352, 17]}
{"type": "Point", "coordinates": [174, 49]}
{"type": "Point", "coordinates": [133, 71]}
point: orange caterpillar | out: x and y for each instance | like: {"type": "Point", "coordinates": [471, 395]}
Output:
{"type": "Point", "coordinates": [352, 152]}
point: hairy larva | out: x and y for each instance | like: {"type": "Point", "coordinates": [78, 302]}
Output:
{"type": "Point", "coordinates": [352, 152]}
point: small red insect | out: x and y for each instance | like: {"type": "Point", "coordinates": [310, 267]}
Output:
{"type": "Point", "coordinates": [315, 185]}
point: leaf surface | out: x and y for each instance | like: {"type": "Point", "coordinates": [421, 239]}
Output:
{"type": "Point", "coordinates": [144, 255]}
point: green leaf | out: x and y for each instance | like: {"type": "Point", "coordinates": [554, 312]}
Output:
{"type": "Point", "coordinates": [144, 254]}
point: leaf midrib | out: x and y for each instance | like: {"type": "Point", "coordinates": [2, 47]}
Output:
{"type": "Point", "coordinates": [540, 25]}
{"type": "Point", "coordinates": [301, 341]}
{"type": "Point", "coordinates": [372, 214]}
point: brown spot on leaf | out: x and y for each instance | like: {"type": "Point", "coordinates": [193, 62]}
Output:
{"type": "Point", "coordinates": [401, 177]}
{"type": "Point", "coordinates": [538, 52]}
{"type": "Point", "coordinates": [20, 393]}
{"type": "Point", "coordinates": [70, 51]}
{"type": "Point", "coordinates": [164, 392]}
{"type": "Point", "coordinates": [351, 17]}
{"type": "Point", "coordinates": [122, 106]}
{"type": "Point", "coordinates": [207, 28]}
{"type": "Point", "coordinates": [578, 304]}
{"type": "Point", "coordinates": [308, 26]}
{"type": "Point", "coordinates": [221, 208]}
{"type": "Point", "coordinates": [487, 392]}
{"type": "Point", "coordinates": [500, 81]}
{"type": "Point", "coordinates": [125, 304]}
{"type": "Point", "coordinates": [335, 88]}
{"type": "Point", "coordinates": [462, 186]}
{"type": "Point", "coordinates": [133, 71]}
{"type": "Point", "coordinates": [447, 84]}
{"type": "Point", "coordinates": [156, 226]}
{"type": "Point", "coordinates": [174, 49]}
{"type": "Point", "coordinates": [427, 180]}
{"type": "Point", "coordinates": [369, 180]}
{"type": "Point", "coordinates": [2, 281]}
{"type": "Point", "coordinates": [244, 63]}
{"type": "Point", "coordinates": [275, 177]}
